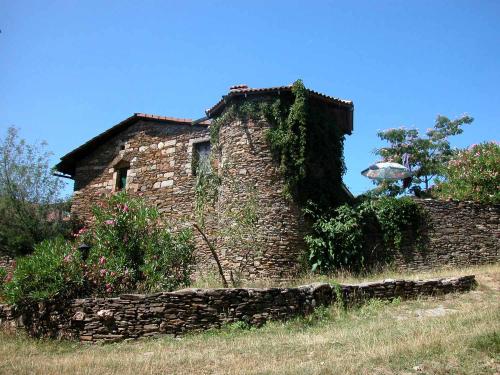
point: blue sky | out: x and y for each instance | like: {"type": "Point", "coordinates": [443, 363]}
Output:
{"type": "Point", "coordinates": [71, 69]}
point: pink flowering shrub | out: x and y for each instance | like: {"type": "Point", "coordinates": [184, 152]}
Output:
{"type": "Point", "coordinates": [473, 174]}
{"type": "Point", "coordinates": [53, 270]}
{"type": "Point", "coordinates": [130, 250]}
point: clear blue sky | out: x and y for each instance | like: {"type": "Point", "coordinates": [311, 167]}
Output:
{"type": "Point", "coordinates": [71, 69]}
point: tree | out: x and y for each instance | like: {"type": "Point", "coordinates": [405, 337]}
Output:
{"type": "Point", "coordinates": [427, 154]}
{"type": "Point", "coordinates": [29, 195]}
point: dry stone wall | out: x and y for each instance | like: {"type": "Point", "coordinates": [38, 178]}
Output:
{"type": "Point", "coordinates": [459, 234]}
{"type": "Point", "coordinates": [159, 158]}
{"type": "Point", "coordinates": [252, 189]}
{"type": "Point", "coordinates": [132, 316]}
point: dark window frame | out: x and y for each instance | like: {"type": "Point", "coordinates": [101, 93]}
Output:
{"type": "Point", "coordinates": [201, 151]}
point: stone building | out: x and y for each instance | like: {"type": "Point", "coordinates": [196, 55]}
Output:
{"type": "Point", "coordinates": [157, 157]}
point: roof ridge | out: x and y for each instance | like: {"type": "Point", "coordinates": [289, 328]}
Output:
{"type": "Point", "coordinates": [249, 90]}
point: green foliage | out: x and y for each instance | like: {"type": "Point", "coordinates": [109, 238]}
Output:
{"type": "Point", "coordinates": [428, 154]}
{"type": "Point", "coordinates": [338, 238]}
{"type": "Point", "coordinates": [288, 136]}
{"type": "Point", "coordinates": [397, 216]}
{"type": "Point", "coordinates": [206, 192]}
{"type": "Point", "coordinates": [488, 343]}
{"type": "Point", "coordinates": [30, 208]}
{"type": "Point", "coordinates": [168, 262]}
{"type": "Point", "coordinates": [131, 248]}
{"type": "Point", "coordinates": [53, 270]}
{"type": "Point", "coordinates": [305, 140]}
{"type": "Point", "coordinates": [309, 145]}
{"type": "Point", "coordinates": [473, 174]}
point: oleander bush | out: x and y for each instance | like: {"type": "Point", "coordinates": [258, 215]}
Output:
{"type": "Point", "coordinates": [130, 249]}
{"type": "Point", "coordinates": [53, 270]}
{"type": "Point", "coordinates": [474, 174]}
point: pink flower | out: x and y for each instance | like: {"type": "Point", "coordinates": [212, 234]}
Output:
{"type": "Point", "coordinates": [109, 222]}
{"type": "Point", "coordinates": [125, 208]}
{"type": "Point", "coordinates": [103, 272]}
{"type": "Point", "coordinates": [67, 258]}
{"type": "Point", "coordinates": [102, 260]}
{"type": "Point", "coordinates": [113, 274]}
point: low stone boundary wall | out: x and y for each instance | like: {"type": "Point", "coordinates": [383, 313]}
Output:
{"type": "Point", "coordinates": [131, 316]}
{"type": "Point", "coordinates": [459, 234]}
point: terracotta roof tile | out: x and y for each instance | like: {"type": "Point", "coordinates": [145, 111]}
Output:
{"type": "Point", "coordinates": [239, 90]}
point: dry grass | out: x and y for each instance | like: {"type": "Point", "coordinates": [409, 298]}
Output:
{"type": "Point", "coordinates": [378, 338]}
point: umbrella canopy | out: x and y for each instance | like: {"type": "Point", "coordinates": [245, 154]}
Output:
{"type": "Point", "coordinates": [387, 171]}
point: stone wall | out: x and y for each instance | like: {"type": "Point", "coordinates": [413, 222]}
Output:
{"type": "Point", "coordinates": [459, 234]}
{"type": "Point", "coordinates": [159, 157]}
{"type": "Point", "coordinates": [132, 316]}
{"type": "Point", "coordinates": [252, 187]}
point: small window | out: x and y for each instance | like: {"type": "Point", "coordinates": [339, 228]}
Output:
{"type": "Point", "coordinates": [201, 157]}
{"type": "Point", "coordinates": [121, 178]}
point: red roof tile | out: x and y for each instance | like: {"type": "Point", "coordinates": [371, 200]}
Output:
{"type": "Point", "coordinates": [240, 90]}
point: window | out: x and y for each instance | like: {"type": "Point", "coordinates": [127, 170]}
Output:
{"type": "Point", "coordinates": [121, 178]}
{"type": "Point", "coordinates": [201, 157]}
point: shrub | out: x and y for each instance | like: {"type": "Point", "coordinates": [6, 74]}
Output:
{"type": "Point", "coordinates": [54, 269]}
{"type": "Point", "coordinates": [474, 174]}
{"type": "Point", "coordinates": [338, 238]}
{"type": "Point", "coordinates": [168, 261]}
{"type": "Point", "coordinates": [396, 216]}
{"type": "Point", "coordinates": [131, 248]}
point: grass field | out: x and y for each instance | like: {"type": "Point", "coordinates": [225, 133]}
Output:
{"type": "Point", "coordinates": [454, 334]}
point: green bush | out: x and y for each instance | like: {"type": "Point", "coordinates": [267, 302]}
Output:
{"type": "Point", "coordinates": [130, 249]}
{"type": "Point", "coordinates": [474, 174]}
{"type": "Point", "coordinates": [53, 270]}
{"type": "Point", "coordinates": [168, 261]}
{"type": "Point", "coordinates": [396, 216]}
{"type": "Point", "coordinates": [337, 240]}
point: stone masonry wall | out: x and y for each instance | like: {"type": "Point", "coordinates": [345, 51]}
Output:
{"type": "Point", "coordinates": [459, 234]}
{"type": "Point", "coordinates": [252, 185]}
{"type": "Point", "coordinates": [159, 157]}
{"type": "Point", "coordinates": [132, 316]}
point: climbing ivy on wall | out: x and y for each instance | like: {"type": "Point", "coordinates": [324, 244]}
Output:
{"type": "Point", "coordinates": [304, 139]}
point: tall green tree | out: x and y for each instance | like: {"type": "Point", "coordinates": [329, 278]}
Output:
{"type": "Point", "coordinates": [29, 195]}
{"type": "Point", "coordinates": [428, 154]}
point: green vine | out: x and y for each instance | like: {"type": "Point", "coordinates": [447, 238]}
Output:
{"type": "Point", "coordinates": [304, 139]}
{"type": "Point", "coordinates": [345, 238]}
{"type": "Point", "coordinates": [288, 136]}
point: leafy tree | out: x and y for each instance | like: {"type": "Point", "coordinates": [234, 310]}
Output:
{"type": "Point", "coordinates": [428, 154]}
{"type": "Point", "coordinates": [29, 195]}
